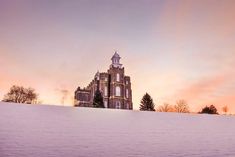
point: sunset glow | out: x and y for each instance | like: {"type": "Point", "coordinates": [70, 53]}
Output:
{"type": "Point", "coordinates": [174, 50]}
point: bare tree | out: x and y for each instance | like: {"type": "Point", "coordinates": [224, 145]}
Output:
{"type": "Point", "coordinates": [225, 109]}
{"type": "Point", "coordinates": [64, 93]}
{"type": "Point", "coordinates": [19, 94]}
{"type": "Point", "coordinates": [181, 107]}
{"type": "Point", "coordinates": [165, 108]}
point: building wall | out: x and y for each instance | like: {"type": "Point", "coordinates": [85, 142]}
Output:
{"type": "Point", "coordinates": [83, 97]}
{"type": "Point", "coordinates": [108, 83]}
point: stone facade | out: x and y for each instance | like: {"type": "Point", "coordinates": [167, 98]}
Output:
{"type": "Point", "coordinates": [113, 84]}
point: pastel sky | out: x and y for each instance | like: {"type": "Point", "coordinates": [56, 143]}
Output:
{"type": "Point", "coordinates": [182, 49]}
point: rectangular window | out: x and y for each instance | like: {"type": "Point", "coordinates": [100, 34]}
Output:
{"type": "Point", "coordinates": [118, 77]}
{"type": "Point", "coordinates": [118, 105]}
{"type": "Point", "coordinates": [127, 93]}
{"type": "Point", "coordinates": [105, 91]}
{"type": "Point", "coordinates": [105, 104]}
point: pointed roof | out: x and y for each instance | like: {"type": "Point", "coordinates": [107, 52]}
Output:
{"type": "Point", "coordinates": [116, 60]}
{"type": "Point", "coordinates": [97, 75]}
{"type": "Point", "coordinates": [116, 55]}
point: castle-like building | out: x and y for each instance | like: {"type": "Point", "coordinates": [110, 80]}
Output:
{"type": "Point", "coordinates": [113, 84]}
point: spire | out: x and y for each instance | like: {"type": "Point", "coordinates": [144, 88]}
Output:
{"type": "Point", "coordinates": [116, 60]}
{"type": "Point", "coordinates": [97, 75]}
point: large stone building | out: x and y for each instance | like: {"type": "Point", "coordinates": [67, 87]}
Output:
{"type": "Point", "coordinates": [113, 84]}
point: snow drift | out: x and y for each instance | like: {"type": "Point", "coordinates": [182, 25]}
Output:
{"type": "Point", "coordinates": [50, 131]}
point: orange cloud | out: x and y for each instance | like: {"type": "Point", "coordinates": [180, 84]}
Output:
{"type": "Point", "coordinates": [210, 90]}
{"type": "Point", "coordinates": [204, 86]}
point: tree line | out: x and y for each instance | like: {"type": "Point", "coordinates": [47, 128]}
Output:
{"type": "Point", "coordinates": [181, 106]}
{"type": "Point", "coordinates": [20, 94]}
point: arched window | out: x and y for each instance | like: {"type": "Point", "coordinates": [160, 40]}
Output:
{"type": "Point", "coordinates": [118, 91]}
{"type": "Point", "coordinates": [118, 77]}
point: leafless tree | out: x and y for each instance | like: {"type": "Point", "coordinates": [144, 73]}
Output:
{"type": "Point", "coordinates": [225, 109]}
{"type": "Point", "coordinates": [64, 93]}
{"type": "Point", "coordinates": [181, 106]}
{"type": "Point", "coordinates": [19, 94]}
{"type": "Point", "coordinates": [165, 108]}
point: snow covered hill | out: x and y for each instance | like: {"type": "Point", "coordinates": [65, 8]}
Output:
{"type": "Point", "coordinates": [51, 131]}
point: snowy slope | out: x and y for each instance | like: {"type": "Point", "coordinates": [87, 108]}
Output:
{"type": "Point", "coordinates": [50, 131]}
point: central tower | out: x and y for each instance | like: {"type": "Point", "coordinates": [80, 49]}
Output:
{"type": "Point", "coordinates": [120, 88]}
{"type": "Point", "coordinates": [116, 61]}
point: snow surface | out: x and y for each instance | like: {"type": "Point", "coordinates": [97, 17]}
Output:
{"type": "Point", "coordinates": [50, 131]}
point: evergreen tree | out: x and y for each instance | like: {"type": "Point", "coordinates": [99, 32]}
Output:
{"type": "Point", "coordinates": [98, 100]}
{"type": "Point", "coordinates": [147, 103]}
{"type": "Point", "coordinates": [209, 110]}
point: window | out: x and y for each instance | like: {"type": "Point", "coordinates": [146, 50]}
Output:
{"type": "Point", "coordinates": [118, 91]}
{"type": "Point", "coordinates": [127, 106]}
{"type": "Point", "coordinates": [87, 98]}
{"type": "Point", "coordinates": [105, 79]}
{"type": "Point", "coordinates": [118, 77]}
{"type": "Point", "coordinates": [105, 104]}
{"type": "Point", "coordinates": [126, 82]}
{"type": "Point", "coordinates": [127, 93]}
{"type": "Point", "coordinates": [105, 91]}
{"type": "Point", "coordinates": [118, 105]}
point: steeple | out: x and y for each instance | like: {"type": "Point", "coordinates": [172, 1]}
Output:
{"type": "Point", "coordinates": [116, 60]}
{"type": "Point", "coordinates": [97, 75]}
